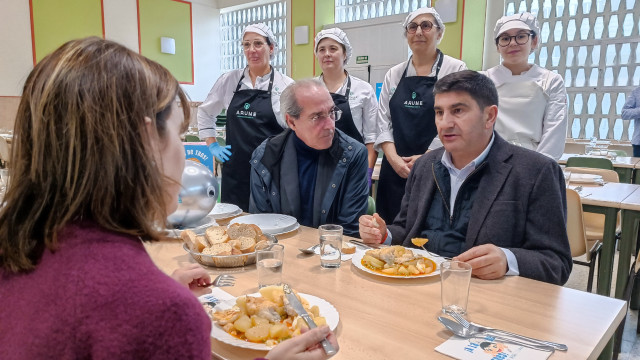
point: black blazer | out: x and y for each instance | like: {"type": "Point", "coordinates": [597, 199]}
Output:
{"type": "Point", "coordinates": [520, 205]}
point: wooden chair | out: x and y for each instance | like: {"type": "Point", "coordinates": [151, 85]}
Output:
{"type": "Point", "coordinates": [590, 162]}
{"type": "Point", "coordinates": [577, 236]}
{"type": "Point", "coordinates": [594, 223]}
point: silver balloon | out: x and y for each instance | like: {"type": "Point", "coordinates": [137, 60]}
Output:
{"type": "Point", "coordinates": [197, 197]}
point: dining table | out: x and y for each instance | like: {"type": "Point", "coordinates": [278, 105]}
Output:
{"type": "Point", "coordinates": [624, 165]}
{"type": "Point", "coordinates": [607, 200]}
{"type": "Point", "coordinates": [396, 318]}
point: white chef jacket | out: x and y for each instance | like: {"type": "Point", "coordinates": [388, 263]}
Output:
{"type": "Point", "coordinates": [391, 80]}
{"type": "Point", "coordinates": [554, 122]}
{"type": "Point", "coordinates": [222, 92]}
{"type": "Point", "coordinates": [363, 105]}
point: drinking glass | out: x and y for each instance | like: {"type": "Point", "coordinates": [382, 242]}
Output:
{"type": "Point", "coordinates": [567, 177]}
{"type": "Point", "coordinates": [269, 263]}
{"type": "Point", "coordinates": [455, 277]}
{"type": "Point", "coordinates": [330, 245]}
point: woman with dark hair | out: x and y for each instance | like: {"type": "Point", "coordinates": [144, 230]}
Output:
{"type": "Point", "coordinates": [354, 97]}
{"type": "Point", "coordinates": [252, 99]}
{"type": "Point", "coordinates": [96, 167]}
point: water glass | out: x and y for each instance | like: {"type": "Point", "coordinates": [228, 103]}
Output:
{"type": "Point", "coordinates": [588, 149]}
{"type": "Point", "coordinates": [330, 245]}
{"type": "Point", "coordinates": [567, 177]}
{"type": "Point", "coordinates": [269, 263]}
{"type": "Point", "coordinates": [455, 277]}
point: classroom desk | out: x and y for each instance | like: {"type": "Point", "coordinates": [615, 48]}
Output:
{"type": "Point", "coordinates": [624, 165]}
{"type": "Point", "coordinates": [382, 318]}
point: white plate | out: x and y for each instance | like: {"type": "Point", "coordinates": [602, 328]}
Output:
{"type": "Point", "coordinates": [223, 211]}
{"type": "Point", "coordinates": [273, 224]}
{"type": "Point", "coordinates": [327, 310]}
{"type": "Point", "coordinates": [199, 227]}
{"type": "Point", "coordinates": [357, 261]}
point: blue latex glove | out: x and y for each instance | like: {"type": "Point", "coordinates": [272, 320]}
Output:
{"type": "Point", "coordinates": [221, 153]}
{"type": "Point", "coordinates": [369, 174]}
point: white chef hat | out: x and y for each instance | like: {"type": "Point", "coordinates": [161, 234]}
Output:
{"type": "Point", "coordinates": [337, 35]}
{"type": "Point", "coordinates": [424, 10]}
{"type": "Point", "coordinates": [263, 29]}
{"type": "Point", "coordinates": [525, 20]}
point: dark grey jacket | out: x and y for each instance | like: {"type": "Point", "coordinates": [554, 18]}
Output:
{"type": "Point", "coordinates": [341, 192]}
{"type": "Point", "coordinates": [520, 205]}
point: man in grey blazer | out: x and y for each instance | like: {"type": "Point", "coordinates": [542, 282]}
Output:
{"type": "Point", "coordinates": [479, 199]}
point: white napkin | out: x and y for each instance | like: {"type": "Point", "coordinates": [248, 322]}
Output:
{"type": "Point", "coordinates": [586, 178]}
{"type": "Point", "coordinates": [343, 257]}
{"type": "Point", "coordinates": [488, 349]}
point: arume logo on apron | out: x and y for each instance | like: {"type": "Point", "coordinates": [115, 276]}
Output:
{"type": "Point", "coordinates": [245, 113]}
{"type": "Point", "coordinates": [413, 104]}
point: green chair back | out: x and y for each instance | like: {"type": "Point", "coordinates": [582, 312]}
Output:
{"type": "Point", "coordinates": [371, 209]}
{"type": "Point", "coordinates": [619, 152]}
{"type": "Point", "coordinates": [598, 163]}
{"type": "Point", "coordinates": [191, 138]}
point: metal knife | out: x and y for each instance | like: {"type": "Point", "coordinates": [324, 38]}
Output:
{"type": "Point", "coordinates": [297, 306]}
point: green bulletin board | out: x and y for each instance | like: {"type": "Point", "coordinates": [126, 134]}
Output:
{"type": "Point", "coordinates": [55, 22]}
{"type": "Point", "coordinates": [167, 18]}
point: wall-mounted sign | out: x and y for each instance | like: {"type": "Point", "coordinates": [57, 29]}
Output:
{"type": "Point", "coordinates": [363, 59]}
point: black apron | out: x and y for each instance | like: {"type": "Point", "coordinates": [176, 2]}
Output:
{"type": "Point", "coordinates": [414, 127]}
{"type": "Point", "coordinates": [346, 120]}
{"type": "Point", "coordinates": [250, 120]}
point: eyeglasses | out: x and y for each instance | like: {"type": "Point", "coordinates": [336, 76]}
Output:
{"type": "Point", "coordinates": [334, 115]}
{"type": "Point", "coordinates": [521, 39]}
{"type": "Point", "coordinates": [426, 26]}
{"type": "Point", "coordinates": [246, 45]}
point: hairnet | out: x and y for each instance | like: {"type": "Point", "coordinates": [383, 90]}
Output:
{"type": "Point", "coordinates": [337, 35]}
{"type": "Point", "coordinates": [263, 29]}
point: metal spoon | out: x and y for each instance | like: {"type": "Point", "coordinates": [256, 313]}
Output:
{"type": "Point", "coordinates": [310, 250]}
{"type": "Point", "coordinates": [463, 332]}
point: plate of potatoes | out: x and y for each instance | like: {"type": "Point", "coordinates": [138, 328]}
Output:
{"type": "Point", "coordinates": [397, 262]}
{"type": "Point", "coordinates": [262, 320]}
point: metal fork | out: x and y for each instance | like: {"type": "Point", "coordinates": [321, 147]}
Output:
{"type": "Point", "coordinates": [222, 281]}
{"type": "Point", "coordinates": [484, 329]}
{"type": "Point", "coordinates": [434, 255]}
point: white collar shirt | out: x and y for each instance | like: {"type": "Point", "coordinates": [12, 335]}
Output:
{"type": "Point", "coordinates": [223, 90]}
{"type": "Point", "coordinates": [363, 106]}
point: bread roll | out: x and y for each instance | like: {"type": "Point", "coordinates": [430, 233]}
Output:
{"type": "Point", "coordinates": [237, 230]}
{"type": "Point", "coordinates": [222, 249]}
{"type": "Point", "coordinates": [216, 235]}
{"type": "Point", "coordinates": [247, 244]}
{"type": "Point", "coordinates": [262, 244]}
{"type": "Point", "coordinates": [189, 237]}
{"type": "Point", "coordinates": [348, 248]}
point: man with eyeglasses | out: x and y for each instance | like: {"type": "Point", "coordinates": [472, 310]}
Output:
{"type": "Point", "coordinates": [312, 170]}
{"type": "Point", "coordinates": [533, 100]}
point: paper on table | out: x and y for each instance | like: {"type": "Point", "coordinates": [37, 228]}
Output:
{"type": "Point", "coordinates": [485, 348]}
{"type": "Point", "coordinates": [216, 295]}
{"type": "Point", "coordinates": [343, 257]}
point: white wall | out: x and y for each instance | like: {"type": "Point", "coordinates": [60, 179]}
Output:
{"type": "Point", "coordinates": [121, 25]}
{"type": "Point", "coordinates": [206, 50]}
{"type": "Point", "coordinates": [16, 59]}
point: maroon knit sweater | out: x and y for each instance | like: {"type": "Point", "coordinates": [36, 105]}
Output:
{"type": "Point", "coordinates": [99, 297]}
